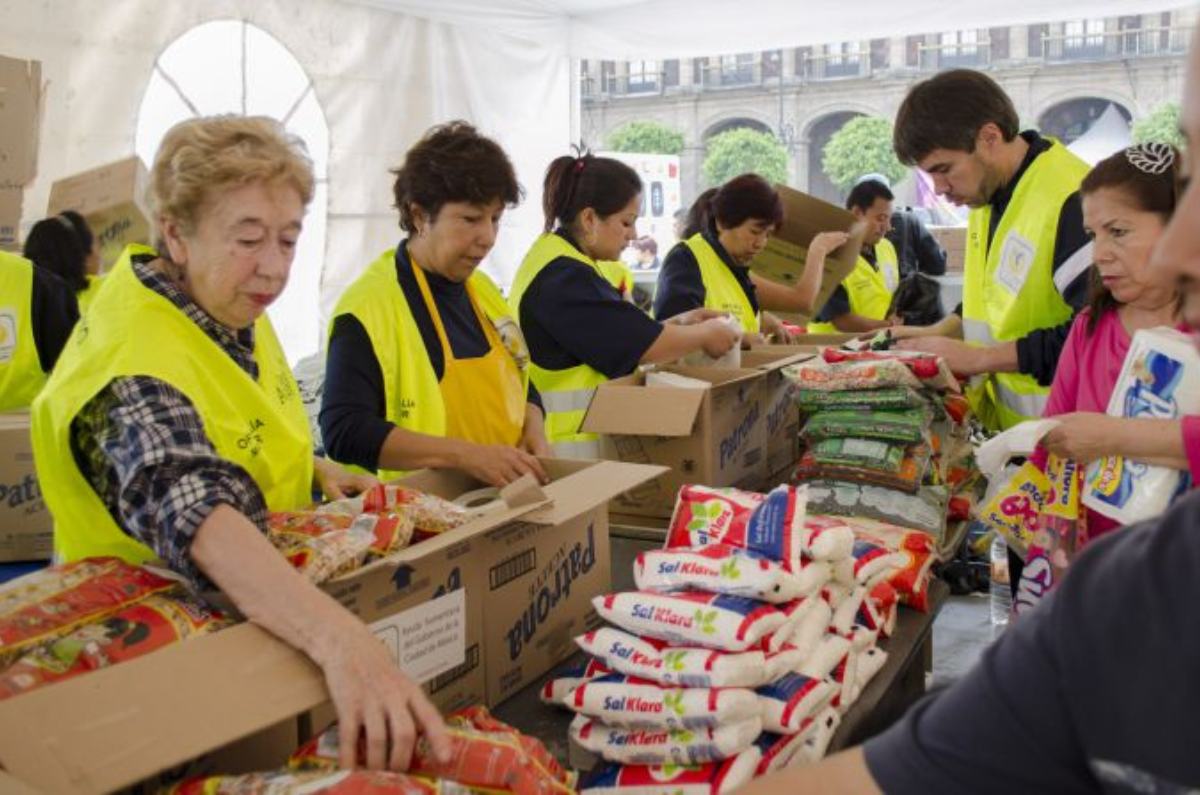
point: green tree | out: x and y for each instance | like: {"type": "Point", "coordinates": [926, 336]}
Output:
{"type": "Point", "coordinates": [646, 137]}
{"type": "Point", "coordinates": [742, 151]}
{"type": "Point", "coordinates": [862, 146]}
{"type": "Point", "coordinates": [1161, 125]}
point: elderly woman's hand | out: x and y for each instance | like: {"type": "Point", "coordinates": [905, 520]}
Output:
{"type": "Point", "coordinates": [336, 482]}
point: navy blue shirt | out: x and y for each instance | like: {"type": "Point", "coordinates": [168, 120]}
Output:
{"type": "Point", "coordinates": [53, 312]}
{"type": "Point", "coordinates": [353, 405]}
{"type": "Point", "coordinates": [1094, 690]}
{"type": "Point", "coordinates": [571, 315]}
{"type": "Point", "coordinates": [839, 300]}
{"type": "Point", "coordinates": [680, 287]}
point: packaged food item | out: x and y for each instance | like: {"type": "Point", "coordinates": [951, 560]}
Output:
{"type": "Point", "coordinates": [808, 621]}
{"type": "Point", "coordinates": [878, 610]}
{"type": "Point", "coordinates": [567, 679]}
{"type": "Point", "coordinates": [634, 703]}
{"type": "Point", "coordinates": [788, 703]}
{"type": "Point", "coordinates": [906, 426]}
{"type": "Point", "coordinates": [693, 618]}
{"type": "Point", "coordinates": [925, 510]}
{"type": "Point", "coordinates": [331, 782]}
{"type": "Point", "coordinates": [870, 663]}
{"type": "Point", "coordinates": [486, 754]}
{"type": "Point", "coordinates": [704, 515]}
{"type": "Point", "coordinates": [776, 751]}
{"type": "Point", "coordinates": [824, 727]}
{"type": "Point", "coordinates": [930, 369]}
{"type": "Point", "coordinates": [323, 557]}
{"type": "Point", "coordinates": [134, 631]}
{"type": "Point", "coordinates": [872, 454]}
{"type": "Point", "coordinates": [724, 569]}
{"type": "Point", "coordinates": [430, 514]}
{"type": "Point", "coordinates": [852, 375]}
{"type": "Point", "coordinates": [391, 531]}
{"type": "Point", "coordinates": [711, 778]}
{"type": "Point", "coordinates": [828, 657]}
{"type": "Point", "coordinates": [827, 538]}
{"type": "Point", "coordinates": [1015, 510]}
{"type": "Point", "coordinates": [686, 666]}
{"type": "Point", "coordinates": [890, 398]}
{"type": "Point", "coordinates": [908, 475]}
{"type": "Point", "coordinates": [874, 563]}
{"type": "Point", "coordinates": [846, 609]}
{"type": "Point", "coordinates": [50, 603]}
{"type": "Point", "coordinates": [664, 746]}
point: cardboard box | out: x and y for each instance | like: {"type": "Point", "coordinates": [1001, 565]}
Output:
{"type": "Point", "coordinates": [713, 436]}
{"type": "Point", "coordinates": [21, 110]}
{"type": "Point", "coordinates": [781, 415]}
{"type": "Point", "coordinates": [112, 199]}
{"type": "Point", "coordinates": [804, 217]}
{"type": "Point", "coordinates": [954, 240]}
{"type": "Point", "coordinates": [11, 199]}
{"type": "Point", "coordinates": [26, 529]}
{"type": "Point", "coordinates": [122, 725]}
{"type": "Point", "coordinates": [543, 570]}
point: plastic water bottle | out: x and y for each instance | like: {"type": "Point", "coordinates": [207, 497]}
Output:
{"type": "Point", "coordinates": [1001, 595]}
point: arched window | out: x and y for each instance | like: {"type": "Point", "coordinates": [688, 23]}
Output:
{"type": "Point", "coordinates": [231, 66]}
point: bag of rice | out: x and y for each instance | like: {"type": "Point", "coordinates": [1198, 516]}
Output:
{"type": "Point", "coordinates": [711, 778]}
{"type": "Point", "coordinates": [808, 621]}
{"type": "Point", "coordinates": [878, 610]}
{"type": "Point", "coordinates": [638, 703]}
{"type": "Point", "coordinates": [827, 538]}
{"type": "Point", "coordinates": [704, 515]}
{"type": "Point", "coordinates": [777, 750]}
{"type": "Point", "coordinates": [824, 727]}
{"type": "Point", "coordinates": [48, 604]}
{"type": "Point", "coordinates": [724, 569]}
{"type": "Point", "coordinates": [134, 631]}
{"type": "Point", "coordinates": [874, 564]}
{"type": "Point", "coordinates": [692, 618]}
{"type": "Point", "coordinates": [870, 663]}
{"type": "Point", "coordinates": [664, 746]}
{"type": "Point", "coordinates": [786, 704]}
{"type": "Point", "coordinates": [825, 661]}
{"type": "Point", "coordinates": [687, 667]}
{"type": "Point", "coordinates": [567, 679]}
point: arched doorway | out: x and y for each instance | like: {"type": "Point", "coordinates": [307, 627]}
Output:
{"type": "Point", "coordinates": [736, 123]}
{"type": "Point", "coordinates": [262, 79]}
{"type": "Point", "coordinates": [1072, 118]}
{"type": "Point", "coordinates": [819, 134]}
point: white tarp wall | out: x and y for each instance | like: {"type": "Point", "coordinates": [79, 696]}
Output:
{"type": "Point", "coordinates": [382, 78]}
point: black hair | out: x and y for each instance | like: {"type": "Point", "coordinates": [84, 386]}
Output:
{"type": "Point", "coordinates": [575, 183]}
{"type": "Point", "coordinates": [743, 198]}
{"type": "Point", "coordinates": [61, 244]}
{"type": "Point", "coordinates": [865, 193]}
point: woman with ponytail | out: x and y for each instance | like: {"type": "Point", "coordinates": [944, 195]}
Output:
{"type": "Point", "coordinates": [726, 228]}
{"type": "Point", "coordinates": [579, 330]}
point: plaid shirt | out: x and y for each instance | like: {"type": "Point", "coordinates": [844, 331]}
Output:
{"type": "Point", "coordinates": [141, 445]}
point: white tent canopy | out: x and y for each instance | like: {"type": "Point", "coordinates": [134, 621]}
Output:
{"type": "Point", "coordinates": [1107, 134]}
{"type": "Point", "coordinates": [383, 71]}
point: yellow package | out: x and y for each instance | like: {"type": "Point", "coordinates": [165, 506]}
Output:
{"type": "Point", "coordinates": [1014, 511]}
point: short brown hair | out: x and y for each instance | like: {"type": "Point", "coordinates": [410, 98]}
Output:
{"type": "Point", "coordinates": [574, 184]}
{"type": "Point", "coordinates": [453, 163]}
{"type": "Point", "coordinates": [202, 157]}
{"type": "Point", "coordinates": [947, 111]}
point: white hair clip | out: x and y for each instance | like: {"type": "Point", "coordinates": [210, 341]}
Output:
{"type": "Point", "coordinates": [1151, 158]}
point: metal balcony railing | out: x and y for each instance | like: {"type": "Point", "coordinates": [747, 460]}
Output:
{"type": "Point", "coordinates": [1116, 44]}
{"type": "Point", "coordinates": [954, 54]}
{"type": "Point", "coordinates": [834, 65]}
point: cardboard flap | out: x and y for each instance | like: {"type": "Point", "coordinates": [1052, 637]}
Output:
{"type": "Point", "coordinates": [625, 409]}
{"type": "Point", "coordinates": [774, 357]}
{"type": "Point", "coordinates": [114, 727]}
{"type": "Point", "coordinates": [582, 491]}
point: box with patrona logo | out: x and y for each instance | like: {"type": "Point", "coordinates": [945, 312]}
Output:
{"type": "Point", "coordinates": [26, 531]}
{"type": "Point", "coordinates": [710, 433]}
{"type": "Point", "coordinates": [112, 199]}
{"type": "Point", "coordinates": [246, 694]}
{"type": "Point", "coordinates": [542, 571]}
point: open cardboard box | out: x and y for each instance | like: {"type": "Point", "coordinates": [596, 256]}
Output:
{"type": "Point", "coordinates": [781, 415]}
{"type": "Point", "coordinates": [112, 200]}
{"type": "Point", "coordinates": [26, 529]}
{"type": "Point", "coordinates": [713, 436]}
{"type": "Point", "coordinates": [804, 217]}
{"type": "Point", "coordinates": [118, 726]}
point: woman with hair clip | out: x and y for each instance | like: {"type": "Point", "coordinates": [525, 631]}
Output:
{"type": "Point", "coordinates": [579, 331]}
{"type": "Point", "coordinates": [64, 245]}
{"type": "Point", "coordinates": [1128, 199]}
{"type": "Point", "coordinates": [726, 229]}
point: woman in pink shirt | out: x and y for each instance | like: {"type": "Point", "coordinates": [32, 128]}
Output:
{"type": "Point", "coordinates": [1127, 201]}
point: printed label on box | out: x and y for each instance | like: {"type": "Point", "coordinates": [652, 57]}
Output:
{"type": "Point", "coordinates": [427, 640]}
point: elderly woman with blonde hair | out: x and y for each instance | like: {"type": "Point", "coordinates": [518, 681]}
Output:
{"type": "Point", "coordinates": [172, 425]}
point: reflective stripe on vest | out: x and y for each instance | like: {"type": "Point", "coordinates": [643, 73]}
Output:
{"type": "Point", "coordinates": [412, 395]}
{"type": "Point", "coordinates": [722, 291]}
{"type": "Point", "coordinates": [260, 425]}
{"type": "Point", "coordinates": [1009, 286]}
{"type": "Point", "coordinates": [21, 374]}
{"type": "Point", "coordinates": [581, 449]}
{"type": "Point", "coordinates": [563, 388]}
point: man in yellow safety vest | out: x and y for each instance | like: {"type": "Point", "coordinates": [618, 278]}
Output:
{"type": "Point", "coordinates": [1027, 260]}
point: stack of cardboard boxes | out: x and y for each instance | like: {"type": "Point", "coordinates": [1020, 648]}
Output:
{"type": "Point", "coordinates": [21, 110]}
{"type": "Point", "coordinates": [111, 198]}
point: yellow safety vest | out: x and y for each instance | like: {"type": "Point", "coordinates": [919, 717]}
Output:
{"type": "Point", "coordinates": [618, 274]}
{"type": "Point", "coordinates": [21, 374]}
{"type": "Point", "coordinates": [722, 292]}
{"type": "Point", "coordinates": [567, 393]}
{"type": "Point", "coordinates": [259, 425]}
{"type": "Point", "coordinates": [869, 287]}
{"type": "Point", "coordinates": [413, 397]}
{"type": "Point", "coordinates": [1009, 288]}
{"type": "Point", "coordinates": [86, 296]}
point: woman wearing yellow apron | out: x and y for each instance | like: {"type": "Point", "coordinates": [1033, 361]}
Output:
{"type": "Point", "coordinates": [861, 302]}
{"type": "Point", "coordinates": [426, 366]}
{"type": "Point", "coordinates": [580, 331]}
{"type": "Point", "coordinates": [727, 228]}
{"type": "Point", "coordinates": [171, 424]}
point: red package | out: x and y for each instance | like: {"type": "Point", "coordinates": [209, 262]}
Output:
{"type": "Point", "coordinates": [343, 782]}
{"type": "Point", "coordinates": [931, 369]}
{"type": "Point", "coordinates": [704, 515]}
{"type": "Point", "coordinates": [50, 603]}
{"type": "Point", "coordinates": [134, 631]}
{"type": "Point", "coordinates": [391, 530]}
